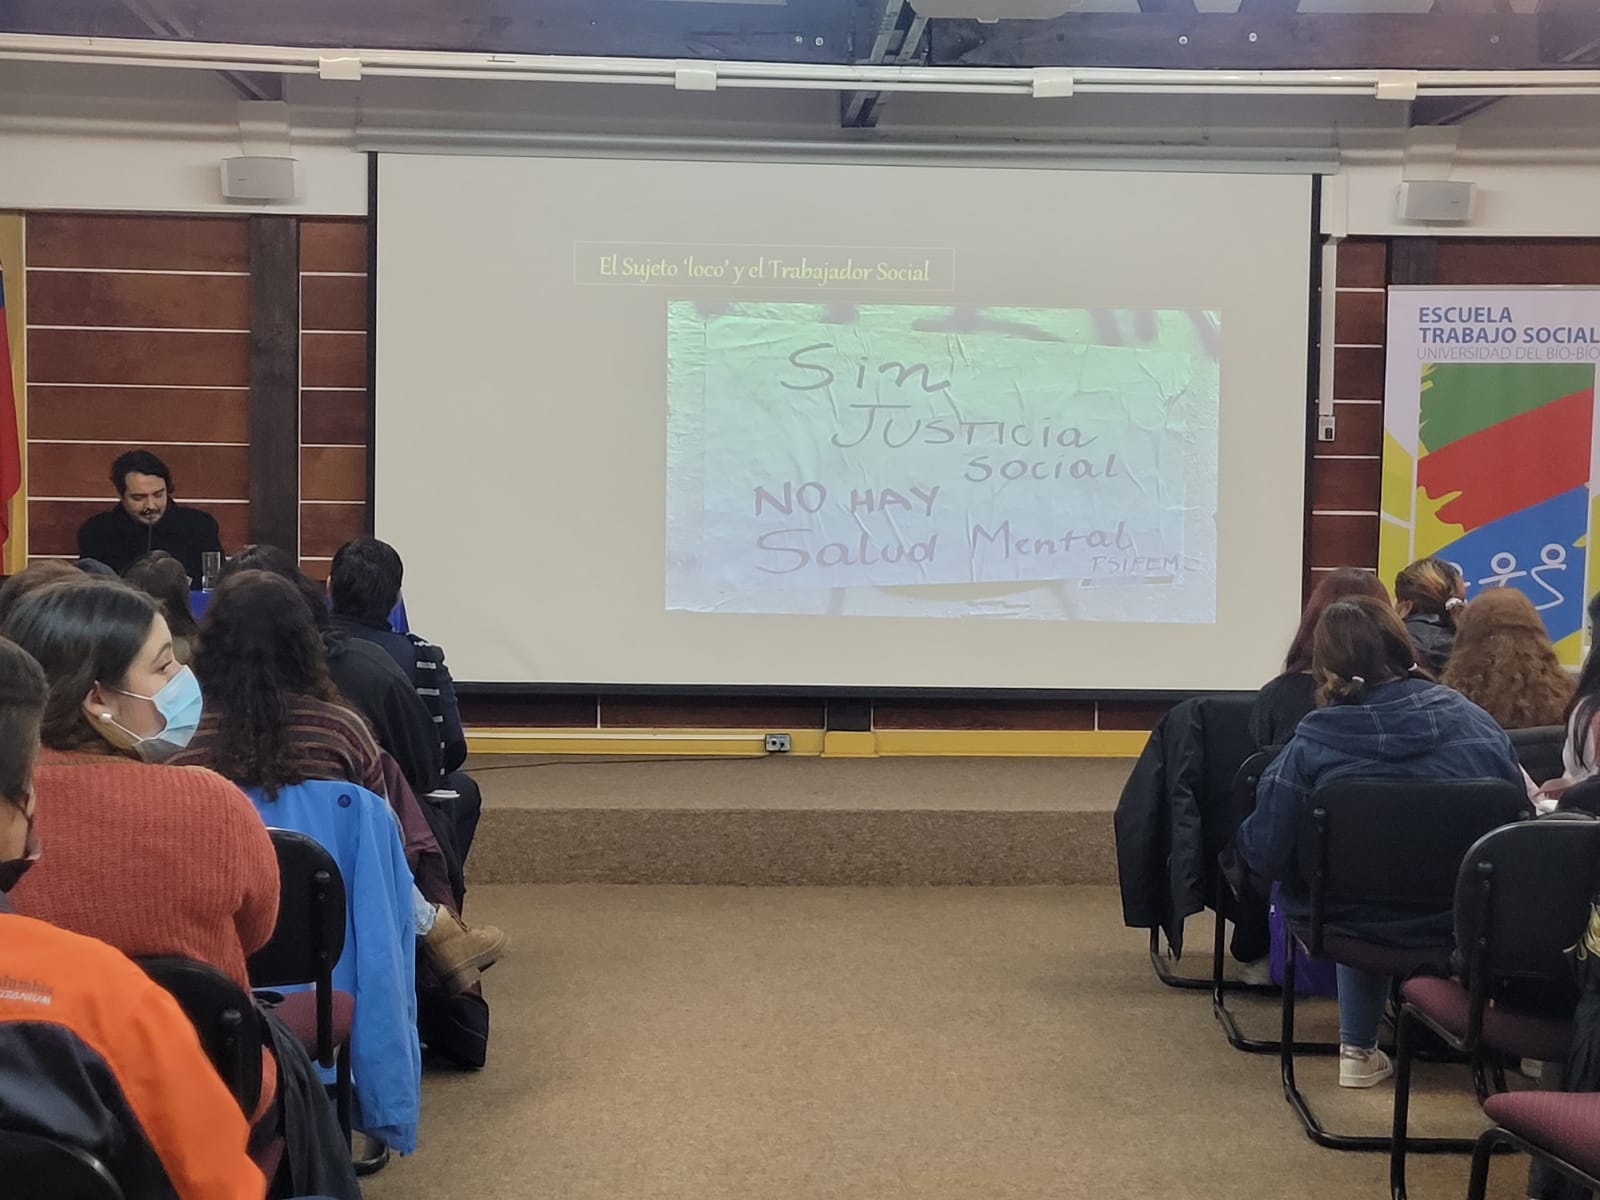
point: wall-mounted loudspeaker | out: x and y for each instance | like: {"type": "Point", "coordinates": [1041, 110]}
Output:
{"type": "Point", "coordinates": [1435, 200]}
{"type": "Point", "coordinates": [261, 178]}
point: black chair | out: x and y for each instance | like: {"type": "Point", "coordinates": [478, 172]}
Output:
{"type": "Point", "coordinates": [1539, 751]}
{"type": "Point", "coordinates": [1224, 744]}
{"type": "Point", "coordinates": [1559, 1128]}
{"type": "Point", "coordinates": [1244, 803]}
{"type": "Point", "coordinates": [1522, 899]}
{"type": "Point", "coordinates": [1396, 844]}
{"type": "Point", "coordinates": [305, 944]}
{"type": "Point", "coordinates": [225, 1017]}
{"type": "Point", "coordinates": [40, 1168]}
{"type": "Point", "coordinates": [1582, 797]}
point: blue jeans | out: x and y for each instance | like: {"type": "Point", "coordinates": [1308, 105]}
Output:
{"type": "Point", "coordinates": [1362, 996]}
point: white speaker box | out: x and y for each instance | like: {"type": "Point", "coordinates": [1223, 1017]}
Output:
{"type": "Point", "coordinates": [1436, 200]}
{"type": "Point", "coordinates": [261, 177]}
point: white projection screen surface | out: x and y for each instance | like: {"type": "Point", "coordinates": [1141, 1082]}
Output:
{"type": "Point", "coordinates": [717, 423]}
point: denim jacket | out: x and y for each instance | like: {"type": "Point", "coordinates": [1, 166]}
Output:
{"type": "Point", "coordinates": [1404, 728]}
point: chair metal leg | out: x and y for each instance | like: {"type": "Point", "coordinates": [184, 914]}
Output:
{"type": "Point", "coordinates": [341, 1091]}
{"type": "Point", "coordinates": [1404, 1037]}
{"type": "Point", "coordinates": [1166, 974]}
{"type": "Point", "coordinates": [1482, 1155]}
{"type": "Point", "coordinates": [1230, 1023]}
{"type": "Point", "coordinates": [1308, 1119]}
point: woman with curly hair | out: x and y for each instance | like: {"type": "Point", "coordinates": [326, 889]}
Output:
{"type": "Point", "coordinates": [1503, 662]}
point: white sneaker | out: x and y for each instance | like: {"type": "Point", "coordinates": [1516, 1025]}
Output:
{"type": "Point", "coordinates": [1257, 973]}
{"type": "Point", "coordinates": [1363, 1068]}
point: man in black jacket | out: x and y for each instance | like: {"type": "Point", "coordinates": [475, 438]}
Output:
{"type": "Point", "coordinates": [147, 518]}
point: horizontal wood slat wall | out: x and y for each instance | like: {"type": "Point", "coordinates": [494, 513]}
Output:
{"type": "Point", "coordinates": [1346, 473]}
{"type": "Point", "coordinates": [333, 389]}
{"type": "Point", "coordinates": [136, 329]}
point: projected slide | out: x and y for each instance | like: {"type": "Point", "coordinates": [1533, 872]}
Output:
{"type": "Point", "coordinates": [915, 460]}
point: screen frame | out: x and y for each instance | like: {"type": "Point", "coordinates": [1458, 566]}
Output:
{"type": "Point", "coordinates": [537, 688]}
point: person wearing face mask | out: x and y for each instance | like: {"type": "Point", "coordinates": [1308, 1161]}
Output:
{"type": "Point", "coordinates": [88, 1042]}
{"type": "Point", "coordinates": [152, 858]}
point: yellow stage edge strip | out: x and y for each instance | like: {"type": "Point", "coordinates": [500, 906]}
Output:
{"type": "Point", "coordinates": [748, 743]}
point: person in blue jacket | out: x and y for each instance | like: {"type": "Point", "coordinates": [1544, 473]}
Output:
{"type": "Point", "coordinates": [1378, 717]}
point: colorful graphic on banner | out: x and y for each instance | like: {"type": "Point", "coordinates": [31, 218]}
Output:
{"type": "Point", "coordinates": [1489, 443]}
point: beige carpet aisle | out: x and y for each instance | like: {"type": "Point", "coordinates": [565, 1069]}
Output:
{"type": "Point", "coordinates": [881, 1043]}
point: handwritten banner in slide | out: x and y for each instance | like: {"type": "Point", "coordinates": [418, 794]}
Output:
{"type": "Point", "coordinates": [818, 448]}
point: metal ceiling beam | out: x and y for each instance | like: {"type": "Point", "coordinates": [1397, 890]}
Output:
{"type": "Point", "coordinates": [1267, 36]}
{"type": "Point", "coordinates": [898, 42]}
{"type": "Point", "coordinates": [157, 16]}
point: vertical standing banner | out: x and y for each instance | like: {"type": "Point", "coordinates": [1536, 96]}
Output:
{"type": "Point", "coordinates": [1489, 448]}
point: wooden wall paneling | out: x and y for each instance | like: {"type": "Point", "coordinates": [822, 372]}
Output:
{"type": "Point", "coordinates": [53, 524]}
{"type": "Point", "coordinates": [1363, 263]}
{"type": "Point", "coordinates": [138, 301]}
{"type": "Point", "coordinates": [1414, 261]}
{"type": "Point", "coordinates": [991, 714]}
{"type": "Point", "coordinates": [333, 360]}
{"type": "Point", "coordinates": [333, 417]}
{"type": "Point", "coordinates": [1345, 484]}
{"type": "Point", "coordinates": [130, 414]}
{"type": "Point", "coordinates": [1130, 714]}
{"type": "Point", "coordinates": [1344, 540]}
{"type": "Point", "coordinates": [1358, 318]}
{"type": "Point", "coordinates": [81, 470]}
{"type": "Point", "coordinates": [333, 245]}
{"type": "Point", "coordinates": [1357, 429]}
{"type": "Point", "coordinates": [333, 473]}
{"type": "Point", "coordinates": [326, 527]}
{"type": "Point", "coordinates": [1515, 261]}
{"type": "Point", "coordinates": [1358, 372]}
{"type": "Point", "coordinates": [546, 712]}
{"type": "Point", "coordinates": [710, 712]}
{"type": "Point", "coordinates": [123, 356]}
{"type": "Point", "coordinates": [333, 302]}
{"type": "Point", "coordinates": [274, 380]}
{"type": "Point", "coordinates": [142, 243]}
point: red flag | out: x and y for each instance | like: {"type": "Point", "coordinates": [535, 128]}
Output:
{"type": "Point", "coordinates": [10, 451]}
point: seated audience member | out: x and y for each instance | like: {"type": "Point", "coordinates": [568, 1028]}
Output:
{"type": "Point", "coordinates": [1581, 752]}
{"type": "Point", "coordinates": [147, 518]}
{"type": "Point", "coordinates": [365, 587]}
{"type": "Point", "coordinates": [1429, 595]}
{"type": "Point", "coordinates": [1503, 662]}
{"type": "Point", "coordinates": [162, 577]}
{"type": "Point", "coordinates": [365, 676]}
{"type": "Point", "coordinates": [95, 1053]}
{"type": "Point", "coordinates": [152, 858]}
{"type": "Point", "coordinates": [1377, 720]}
{"type": "Point", "coordinates": [1283, 701]}
{"type": "Point", "coordinates": [30, 579]}
{"type": "Point", "coordinates": [274, 718]}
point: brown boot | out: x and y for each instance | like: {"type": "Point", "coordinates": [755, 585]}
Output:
{"type": "Point", "coordinates": [455, 952]}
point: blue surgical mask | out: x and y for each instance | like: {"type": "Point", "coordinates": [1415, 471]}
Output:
{"type": "Point", "coordinates": [180, 704]}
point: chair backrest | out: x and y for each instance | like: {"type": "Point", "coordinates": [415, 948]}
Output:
{"type": "Point", "coordinates": [224, 1016]}
{"type": "Point", "coordinates": [40, 1168]}
{"type": "Point", "coordinates": [309, 936]}
{"type": "Point", "coordinates": [1396, 843]}
{"type": "Point", "coordinates": [1539, 751]}
{"type": "Point", "coordinates": [1247, 780]}
{"type": "Point", "coordinates": [1523, 897]}
{"type": "Point", "coordinates": [1582, 797]}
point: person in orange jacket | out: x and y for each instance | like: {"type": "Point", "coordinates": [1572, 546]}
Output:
{"type": "Point", "coordinates": [93, 1051]}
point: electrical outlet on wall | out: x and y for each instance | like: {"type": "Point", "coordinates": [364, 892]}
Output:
{"type": "Point", "coordinates": [777, 743]}
{"type": "Point", "coordinates": [1325, 429]}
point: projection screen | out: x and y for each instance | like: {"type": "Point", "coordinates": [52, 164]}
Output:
{"type": "Point", "coordinates": [843, 425]}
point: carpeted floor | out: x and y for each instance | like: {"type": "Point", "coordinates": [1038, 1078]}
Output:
{"type": "Point", "coordinates": [658, 1043]}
